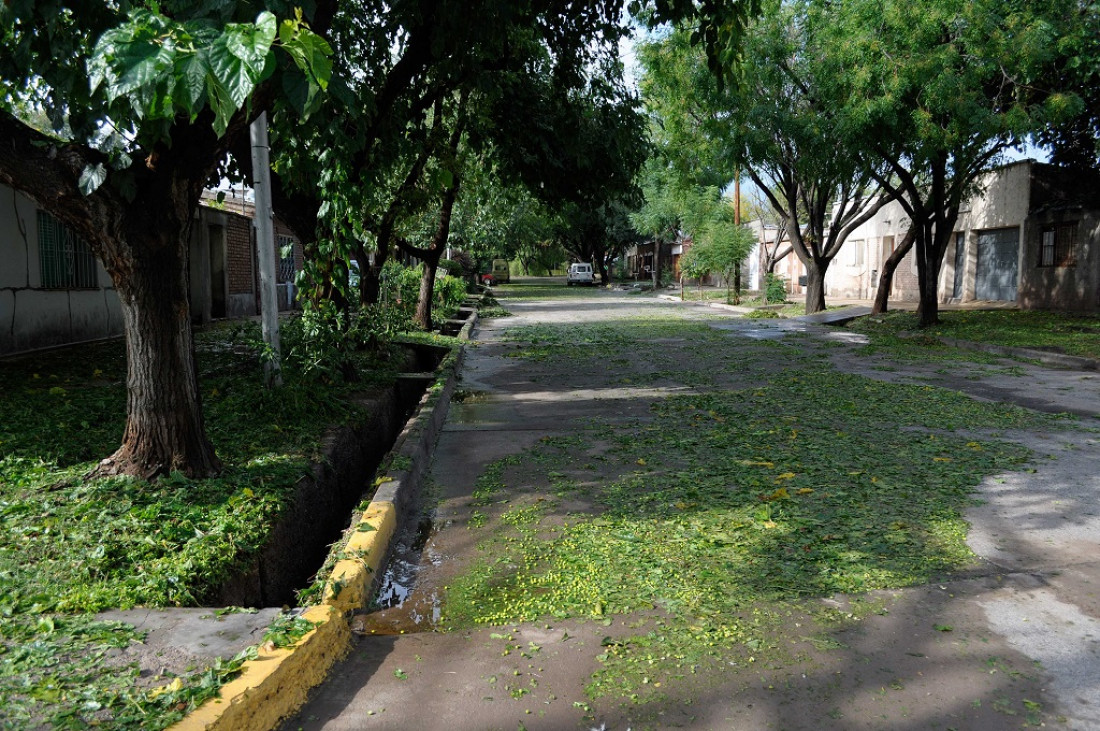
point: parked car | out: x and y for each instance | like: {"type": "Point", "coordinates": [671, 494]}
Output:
{"type": "Point", "coordinates": [580, 274]}
{"type": "Point", "coordinates": [499, 272]}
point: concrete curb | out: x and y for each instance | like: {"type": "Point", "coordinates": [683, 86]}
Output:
{"type": "Point", "coordinates": [713, 305]}
{"type": "Point", "coordinates": [1043, 356]}
{"type": "Point", "coordinates": [277, 682]}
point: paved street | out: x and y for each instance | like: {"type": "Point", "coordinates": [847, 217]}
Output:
{"type": "Point", "coordinates": [1014, 639]}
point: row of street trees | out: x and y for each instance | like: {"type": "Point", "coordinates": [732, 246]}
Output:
{"type": "Point", "coordinates": [834, 109]}
{"type": "Point", "coordinates": [116, 116]}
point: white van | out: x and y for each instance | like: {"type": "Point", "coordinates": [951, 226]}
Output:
{"type": "Point", "coordinates": [580, 274]}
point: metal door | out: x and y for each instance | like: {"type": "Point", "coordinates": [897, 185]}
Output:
{"type": "Point", "coordinates": [998, 264]}
{"type": "Point", "coordinates": [960, 265]}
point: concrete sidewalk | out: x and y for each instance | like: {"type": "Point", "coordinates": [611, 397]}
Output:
{"type": "Point", "coordinates": [1024, 625]}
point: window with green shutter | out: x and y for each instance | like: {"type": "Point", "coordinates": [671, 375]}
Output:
{"type": "Point", "coordinates": [66, 259]}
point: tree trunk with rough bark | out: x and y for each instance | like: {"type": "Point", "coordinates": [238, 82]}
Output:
{"type": "Point", "coordinates": [164, 421]}
{"type": "Point", "coordinates": [928, 312]}
{"type": "Point", "coordinates": [815, 285]}
{"type": "Point", "coordinates": [605, 276]}
{"type": "Point", "coordinates": [434, 252]}
{"type": "Point", "coordinates": [427, 289]}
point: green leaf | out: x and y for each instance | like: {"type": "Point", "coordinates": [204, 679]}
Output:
{"type": "Point", "coordinates": [91, 178]}
{"type": "Point", "coordinates": [221, 103]}
{"type": "Point", "coordinates": [231, 74]}
{"type": "Point", "coordinates": [252, 43]}
{"type": "Point", "coordinates": [191, 73]}
{"type": "Point", "coordinates": [311, 53]}
{"type": "Point", "coordinates": [299, 92]}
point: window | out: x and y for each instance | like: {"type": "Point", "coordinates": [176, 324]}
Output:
{"type": "Point", "coordinates": [66, 259]}
{"type": "Point", "coordinates": [286, 263]}
{"type": "Point", "coordinates": [1058, 245]}
{"type": "Point", "coordinates": [857, 252]}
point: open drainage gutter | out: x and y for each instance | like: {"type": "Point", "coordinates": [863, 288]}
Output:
{"type": "Point", "coordinates": [276, 683]}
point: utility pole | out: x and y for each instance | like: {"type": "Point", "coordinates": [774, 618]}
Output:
{"type": "Point", "coordinates": [265, 249]}
{"type": "Point", "coordinates": [736, 222]}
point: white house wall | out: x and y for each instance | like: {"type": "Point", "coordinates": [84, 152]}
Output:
{"type": "Point", "coordinates": [31, 316]}
{"type": "Point", "coordinates": [855, 271]}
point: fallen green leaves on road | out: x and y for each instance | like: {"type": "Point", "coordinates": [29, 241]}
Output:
{"type": "Point", "coordinates": [720, 514]}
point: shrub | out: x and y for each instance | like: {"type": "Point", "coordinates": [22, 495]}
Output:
{"type": "Point", "coordinates": [450, 293]}
{"type": "Point", "coordinates": [450, 266]}
{"type": "Point", "coordinates": [775, 288]}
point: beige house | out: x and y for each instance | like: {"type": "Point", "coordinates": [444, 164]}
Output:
{"type": "Point", "coordinates": [1031, 235]}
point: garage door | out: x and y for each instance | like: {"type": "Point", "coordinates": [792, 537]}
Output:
{"type": "Point", "coordinates": [998, 265]}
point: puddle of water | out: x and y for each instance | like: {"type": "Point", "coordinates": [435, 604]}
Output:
{"type": "Point", "coordinates": [852, 338]}
{"type": "Point", "coordinates": [400, 576]}
{"type": "Point", "coordinates": [420, 613]}
{"type": "Point", "coordinates": [402, 605]}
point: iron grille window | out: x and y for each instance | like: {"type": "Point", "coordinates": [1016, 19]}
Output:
{"type": "Point", "coordinates": [286, 263]}
{"type": "Point", "coordinates": [1058, 245]}
{"type": "Point", "coordinates": [66, 259]}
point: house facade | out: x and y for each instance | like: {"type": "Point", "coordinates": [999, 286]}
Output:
{"type": "Point", "coordinates": [1030, 236]}
{"type": "Point", "coordinates": [855, 272]}
{"type": "Point", "coordinates": [225, 278]}
{"type": "Point", "coordinates": [639, 259]}
{"type": "Point", "coordinates": [54, 292]}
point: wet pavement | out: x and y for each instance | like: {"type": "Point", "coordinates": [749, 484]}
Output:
{"type": "Point", "coordinates": [1027, 624]}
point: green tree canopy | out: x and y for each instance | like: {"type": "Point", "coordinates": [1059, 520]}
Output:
{"type": "Point", "coordinates": [144, 100]}
{"type": "Point", "coordinates": [939, 90]}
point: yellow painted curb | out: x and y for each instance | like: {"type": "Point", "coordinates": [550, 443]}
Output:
{"type": "Point", "coordinates": [276, 682]}
{"type": "Point", "coordinates": [352, 576]}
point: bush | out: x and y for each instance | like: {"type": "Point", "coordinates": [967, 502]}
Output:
{"type": "Point", "coordinates": [450, 293]}
{"type": "Point", "coordinates": [762, 315]}
{"type": "Point", "coordinates": [775, 288]}
{"type": "Point", "coordinates": [450, 266]}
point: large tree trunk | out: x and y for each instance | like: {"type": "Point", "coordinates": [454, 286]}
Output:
{"type": "Point", "coordinates": [815, 285]}
{"type": "Point", "coordinates": [886, 278]}
{"type": "Point", "coordinates": [148, 263]}
{"type": "Point", "coordinates": [164, 421]}
{"type": "Point", "coordinates": [434, 252]}
{"type": "Point", "coordinates": [605, 276]}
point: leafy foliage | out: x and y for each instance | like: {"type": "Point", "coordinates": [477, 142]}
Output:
{"type": "Point", "coordinates": [35, 693]}
{"type": "Point", "coordinates": [775, 288]}
{"type": "Point", "coordinates": [1065, 332]}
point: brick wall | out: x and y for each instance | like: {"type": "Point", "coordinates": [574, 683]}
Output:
{"type": "Point", "coordinates": [906, 286]}
{"type": "Point", "coordinates": [238, 245]}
